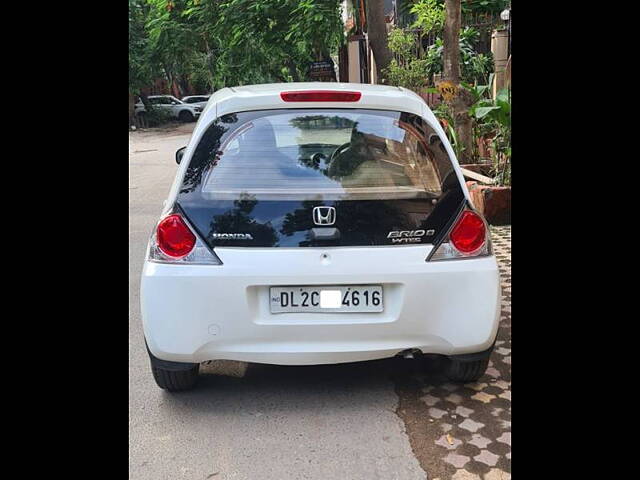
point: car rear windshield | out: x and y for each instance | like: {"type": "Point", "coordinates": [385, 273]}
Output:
{"type": "Point", "coordinates": [260, 179]}
{"type": "Point", "coordinates": [319, 154]}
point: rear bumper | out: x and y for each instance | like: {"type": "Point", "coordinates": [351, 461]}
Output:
{"type": "Point", "coordinates": [200, 313]}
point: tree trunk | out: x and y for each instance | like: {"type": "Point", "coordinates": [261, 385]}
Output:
{"type": "Point", "coordinates": [377, 33]}
{"type": "Point", "coordinates": [461, 99]}
{"type": "Point", "coordinates": [132, 108]}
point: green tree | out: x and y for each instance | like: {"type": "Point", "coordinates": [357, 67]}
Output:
{"type": "Point", "coordinates": [140, 70]}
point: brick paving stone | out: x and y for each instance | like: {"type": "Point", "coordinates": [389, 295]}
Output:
{"type": "Point", "coordinates": [430, 400]}
{"type": "Point", "coordinates": [464, 411]}
{"type": "Point", "coordinates": [477, 386]}
{"type": "Point", "coordinates": [488, 458]}
{"type": "Point", "coordinates": [436, 412]}
{"type": "Point", "coordinates": [465, 475]}
{"type": "Point", "coordinates": [505, 437]}
{"type": "Point", "coordinates": [502, 384]}
{"type": "Point", "coordinates": [470, 425]}
{"type": "Point", "coordinates": [456, 460]}
{"type": "Point", "coordinates": [479, 441]}
{"type": "Point", "coordinates": [483, 397]}
{"type": "Point", "coordinates": [454, 398]}
{"type": "Point", "coordinates": [496, 474]}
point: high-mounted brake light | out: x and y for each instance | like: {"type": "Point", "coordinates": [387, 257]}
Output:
{"type": "Point", "coordinates": [320, 96]}
{"type": "Point", "coordinates": [174, 237]}
{"type": "Point", "coordinates": [467, 239]}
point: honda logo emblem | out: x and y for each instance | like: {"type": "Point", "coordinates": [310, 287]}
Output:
{"type": "Point", "coordinates": [324, 215]}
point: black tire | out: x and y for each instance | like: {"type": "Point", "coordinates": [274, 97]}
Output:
{"type": "Point", "coordinates": [173, 376]}
{"type": "Point", "coordinates": [175, 380]}
{"type": "Point", "coordinates": [466, 372]}
{"type": "Point", "coordinates": [185, 116]}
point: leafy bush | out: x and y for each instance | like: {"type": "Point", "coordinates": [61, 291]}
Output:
{"type": "Point", "coordinates": [155, 117]}
{"type": "Point", "coordinates": [406, 69]}
{"type": "Point", "coordinates": [474, 67]}
{"type": "Point", "coordinates": [430, 15]}
{"type": "Point", "coordinates": [493, 120]}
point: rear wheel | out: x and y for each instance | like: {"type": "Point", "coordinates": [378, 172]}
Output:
{"type": "Point", "coordinates": [466, 372]}
{"type": "Point", "coordinates": [185, 116]}
{"type": "Point", "coordinates": [175, 380]}
{"type": "Point", "coordinates": [173, 376]}
{"type": "Point", "coordinates": [468, 367]}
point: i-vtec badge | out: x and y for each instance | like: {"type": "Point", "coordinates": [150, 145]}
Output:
{"type": "Point", "coordinates": [409, 236]}
{"type": "Point", "coordinates": [231, 236]}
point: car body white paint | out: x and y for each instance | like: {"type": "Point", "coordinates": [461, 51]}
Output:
{"type": "Point", "coordinates": [195, 313]}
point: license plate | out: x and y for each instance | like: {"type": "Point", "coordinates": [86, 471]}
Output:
{"type": "Point", "coordinates": [339, 299]}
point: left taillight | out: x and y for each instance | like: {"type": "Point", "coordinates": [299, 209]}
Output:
{"type": "Point", "coordinates": [468, 238]}
{"type": "Point", "coordinates": [174, 241]}
{"type": "Point", "coordinates": [174, 237]}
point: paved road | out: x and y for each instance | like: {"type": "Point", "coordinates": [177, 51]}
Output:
{"type": "Point", "coordinates": [259, 421]}
{"type": "Point", "coordinates": [374, 420]}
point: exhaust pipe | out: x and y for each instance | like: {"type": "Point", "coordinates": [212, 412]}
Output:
{"type": "Point", "coordinates": [409, 353]}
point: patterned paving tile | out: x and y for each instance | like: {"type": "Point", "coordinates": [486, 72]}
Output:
{"type": "Point", "coordinates": [475, 419]}
{"type": "Point", "coordinates": [505, 437]}
{"type": "Point", "coordinates": [486, 457]}
{"type": "Point", "coordinates": [430, 400]}
{"type": "Point", "coordinates": [470, 425]}
{"type": "Point", "coordinates": [496, 474]}
{"type": "Point", "coordinates": [436, 412]}
{"type": "Point", "coordinates": [479, 441]}
{"type": "Point", "coordinates": [456, 460]}
{"type": "Point", "coordinates": [483, 397]}
{"type": "Point", "coordinates": [465, 475]}
{"type": "Point", "coordinates": [464, 411]}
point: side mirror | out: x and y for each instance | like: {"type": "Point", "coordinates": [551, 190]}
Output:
{"type": "Point", "coordinates": [180, 154]}
{"type": "Point", "coordinates": [174, 103]}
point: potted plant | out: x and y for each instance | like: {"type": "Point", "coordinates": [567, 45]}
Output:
{"type": "Point", "coordinates": [493, 122]}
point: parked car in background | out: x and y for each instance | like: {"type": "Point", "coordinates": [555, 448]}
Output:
{"type": "Point", "coordinates": [199, 100]}
{"type": "Point", "coordinates": [177, 108]}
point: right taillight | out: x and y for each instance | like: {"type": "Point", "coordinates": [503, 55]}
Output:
{"type": "Point", "coordinates": [467, 238]}
{"type": "Point", "coordinates": [469, 233]}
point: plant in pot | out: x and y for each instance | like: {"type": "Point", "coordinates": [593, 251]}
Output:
{"type": "Point", "coordinates": [494, 115]}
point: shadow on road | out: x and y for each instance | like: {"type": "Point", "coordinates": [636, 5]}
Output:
{"type": "Point", "coordinates": [271, 388]}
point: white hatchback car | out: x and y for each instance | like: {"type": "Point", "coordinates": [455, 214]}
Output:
{"type": "Point", "coordinates": [316, 223]}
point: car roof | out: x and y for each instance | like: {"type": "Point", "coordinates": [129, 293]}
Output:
{"type": "Point", "coordinates": [267, 96]}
